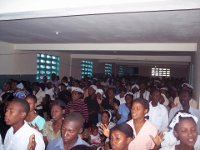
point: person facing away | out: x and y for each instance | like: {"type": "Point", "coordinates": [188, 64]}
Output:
{"type": "Point", "coordinates": [72, 126]}
{"type": "Point", "coordinates": [17, 137]}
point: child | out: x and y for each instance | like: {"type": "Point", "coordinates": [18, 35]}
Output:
{"type": "Point", "coordinates": [33, 118]}
{"type": "Point", "coordinates": [184, 126]}
{"type": "Point", "coordinates": [95, 138]}
{"type": "Point", "coordinates": [17, 137]}
{"type": "Point", "coordinates": [120, 136]}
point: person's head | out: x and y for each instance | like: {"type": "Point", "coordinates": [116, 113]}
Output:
{"type": "Point", "coordinates": [139, 109]}
{"type": "Point", "coordinates": [184, 97]}
{"type": "Point", "coordinates": [92, 89]}
{"type": "Point", "coordinates": [44, 79]}
{"type": "Point", "coordinates": [6, 87]}
{"type": "Point", "coordinates": [120, 136]}
{"type": "Point", "coordinates": [123, 91]}
{"type": "Point", "coordinates": [64, 80]}
{"type": "Point", "coordinates": [53, 76]}
{"type": "Point", "coordinates": [129, 99]}
{"type": "Point", "coordinates": [16, 112]}
{"type": "Point", "coordinates": [57, 108]}
{"type": "Point", "coordinates": [32, 101]}
{"type": "Point", "coordinates": [94, 130]}
{"type": "Point", "coordinates": [72, 126]}
{"type": "Point", "coordinates": [36, 86]}
{"type": "Point", "coordinates": [83, 147]}
{"type": "Point", "coordinates": [62, 87]}
{"type": "Point", "coordinates": [111, 93]}
{"type": "Point", "coordinates": [185, 128]}
{"type": "Point", "coordinates": [156, 95]}
{"type": "Point", "coordinates": [49, 85]}
{"type": "Point", "coordinates": [77, 93]}
{"type": "Point", "coordinates": [142, 86]}
{"type": "Point", "coordinates": [99, 93]}
{"type": "Point", "coordinates": [106, 117]}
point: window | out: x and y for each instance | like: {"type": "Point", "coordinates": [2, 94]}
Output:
{"type": "Point", "coordinates": [46, 65]}
{"type": "Point", "coordinates": [121, 71]}
{"type": "Point", "coordinates": [160, 72]}
{"type": "Point", "coordinates": [108, 69]}
{"type": "Point", "coordinates": [86, 68]}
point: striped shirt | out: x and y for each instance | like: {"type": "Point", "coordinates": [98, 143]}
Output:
{"type": "Point", "coordinates": [78, 106]}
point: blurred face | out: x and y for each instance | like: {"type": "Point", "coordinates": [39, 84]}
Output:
{"type": "Point", "coordinates": [75, 96]}
{"type": "Point", "coordinates": [119, 141]}
{"type": "Point", "coordinates": [6, 87]}
{"type": "Point", "coordinates": [142, 87]}
{"type": "Point", "coordinates": [122, 93]}
{"type": "Point", "coordinates": [91, 91]}
{"type": "Point", "coordinates": [186, 132]}
{"type": "Point", "coordinates": [156, 96]}
{"type": "Point", "coordinates": [14, 114]}
{"type": "Point", "coordinates": [184, 98]}
{"type": "Point", "coordinates": [95, 132]}
{"type": "Point", "coordinates": [31, 103]}
{"type": "Point", "coordinates": [105, 118]}
{"type": "Point", "coordinates": [70, 131]}
{"type": "Point", "coordinates": [56, 112]}
{"type": "Point", "coordinates": [138, 111]}
{"type": "Point", "coordinates": [111, 93]}
{"type": "Point", "coordinates": [128, 99]}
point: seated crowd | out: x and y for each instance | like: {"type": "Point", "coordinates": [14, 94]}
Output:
{"type": "Point", "coordinates": [129, 113]}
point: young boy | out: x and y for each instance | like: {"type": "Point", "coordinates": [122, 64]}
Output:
{"type": "Point", "coordinates": [17, 137]}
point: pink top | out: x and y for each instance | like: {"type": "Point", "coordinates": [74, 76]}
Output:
{"type": "Point", "coordinates": [142, 140]}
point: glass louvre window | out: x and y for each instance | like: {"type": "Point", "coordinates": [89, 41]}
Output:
{"type": "Point", "coordinates": [121, 71]}
{"type": "Point", "coordinates": [160, 72]}
{"type": "Point", "coordinates": [46, 65]}
{"type": "Point", "coordinates": [86, 68]}
{"type": "Point", "coordinates": [108, 69]}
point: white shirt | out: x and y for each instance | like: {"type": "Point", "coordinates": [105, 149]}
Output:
{"type": "Point", "coordinates": [20, 139]}
{"type": "Point", "coordinates": [158, 116]}
{"type": "Point", "coordinates": [145, 95]}
{"type": "Point", "coordinates": [50, 92]}
{"type": "Point", "coordinates": [192, 110]}
{"type": "Point", "coordinates": [39, 95]}
{"type": "Point", "coordinates": [121, 99]}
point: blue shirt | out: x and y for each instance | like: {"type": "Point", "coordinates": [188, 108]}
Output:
{"type": "Point", "coordinates": [57, 144]}
{"type": "Point", "coordinates": [124, 112]}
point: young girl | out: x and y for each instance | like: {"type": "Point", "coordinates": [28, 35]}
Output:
{"type": "Point", "coordinates": [184, 126]}
{"type": "Point", "coordinates": [120, 136]}
{"type": "Point", "coordinates": [52, 128]}
{"type": "Point", "coordinates": [77, 104]}
{"type": "Point", "coordinates": [142, 128]}
{"type": "Point", "coordinates": [33, 118]}
{"type": "Point", "coordinates": [95, 138]}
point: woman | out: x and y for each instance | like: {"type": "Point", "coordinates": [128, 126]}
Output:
{"type": "Point", "coordinates": [143, 130]}
{"type": "Point", "coordinates": [52, 128]}
{"type": "Point", "coordinates": [184, 126]}
{"type": "Point", "coordinates": [33, 118]}
{"type": "Point", "coordinates": [120, 136]}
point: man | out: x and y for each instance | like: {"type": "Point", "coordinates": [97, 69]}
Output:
{"type": "Point", "coordinates": [158, 114]}
{"type": "Point", "coordinates": [17, 137]}
{"type": "Point", "coordinates": [185, 106]}
{"type": "Point", "coordinates": [72, 126]}
{"type": "Point", "coordinates": [142, 93]}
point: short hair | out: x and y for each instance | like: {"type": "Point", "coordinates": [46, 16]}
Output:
{"type": "Point", "coordinates": [24, 105]}
{"type": "Point", "coordinates": [75, 116]}
{"type": "Point", "coordinates": [58, 103]}
{"type": "Point", "coordinates": [124, 128]}
{"type": "Point", "coordinates": [33, 97]}
{"type": "Point", "coordinates": [142, 101]}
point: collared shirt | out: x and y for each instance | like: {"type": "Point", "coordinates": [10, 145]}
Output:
{"type": "Point", "coordinates": [158, 116]}
{"type": "Point", "coordinates": [192, 102]}
{"type": "Point", "coordinates": [192, 110]}
{"type": "Point", "coordinates": [145, 95]}
{"type": "Point", "coordinates": [142, 140]}
{"type": "Point", "coordinates": [39, 121]}
{"type": "Point", "coordinates": [20, 139]}
{"type": "Point", "coordinates": [124, 112]}
{"type": "Point", "coordinates": [57, 144]}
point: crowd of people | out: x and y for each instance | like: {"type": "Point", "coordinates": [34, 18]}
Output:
{"type": "Point", "coordinates": [118, 113]}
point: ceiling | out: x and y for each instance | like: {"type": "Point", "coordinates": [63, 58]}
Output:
{"type": "Point", "coordinates": [182, 26]}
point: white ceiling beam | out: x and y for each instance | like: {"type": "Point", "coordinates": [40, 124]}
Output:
{"type": "Point", "coordinates": [23, 9]}
{"type": "Point", "coordinates": [168, 47]}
